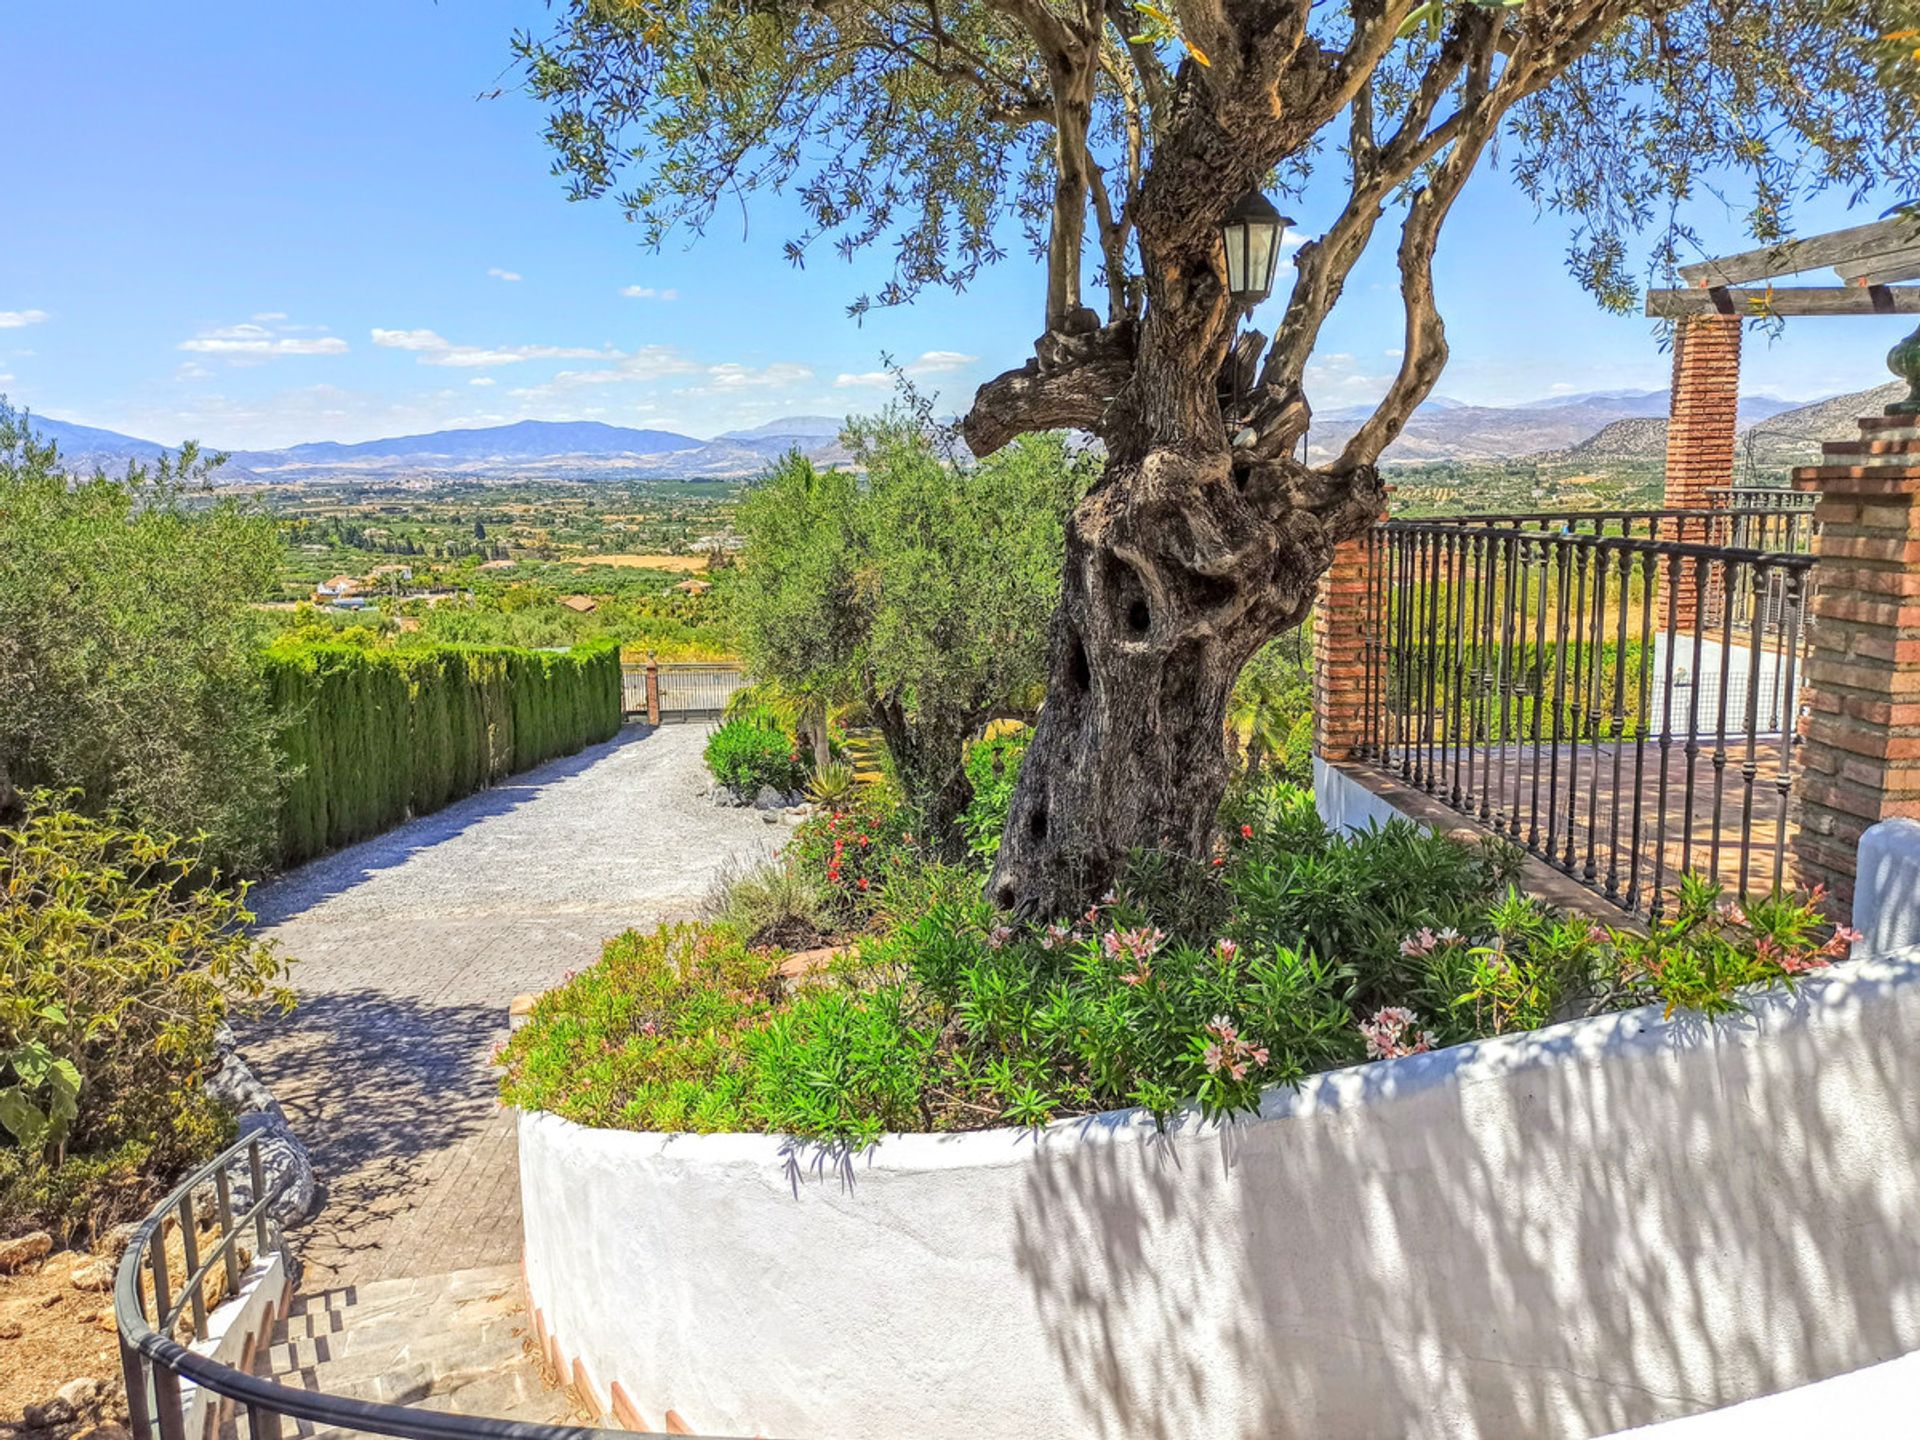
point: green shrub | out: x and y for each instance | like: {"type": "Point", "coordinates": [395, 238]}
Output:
{"type": "Point", "coordinates": [993, 767]}
{"type": "Point", "coordinates": [745, 754]}
{"type": "Point", "coordinates": [850, 855]}
{"type": "Point", "coordinates": [116, 971]}
{"type": "Point", "coordinates": [128, 646]}
{"type": "Point", "coordinates": [372, 736]}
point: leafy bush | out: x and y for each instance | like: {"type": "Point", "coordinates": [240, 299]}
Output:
{"type": "Point", "coordinates": [851, 854]}
{"type": "Point", "coordinates": [744, 754]}
{"type": "Point", "coordinates": [371, 736]}
{"type": "Point", "coordinates": [116, 972]}
{"type": "Point", "coordinates": [128, 646]}
{"type": "Point", "coordinates": [993, 767]}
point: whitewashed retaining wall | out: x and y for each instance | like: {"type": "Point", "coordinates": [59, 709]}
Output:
{"type": "Point", "coordinates": [1558, 1234]}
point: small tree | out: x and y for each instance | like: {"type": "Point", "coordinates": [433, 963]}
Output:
{"type": "Point", "coordinates": [128, 656]}
{"type": "Point", "coordinates": [1121, 134]}
{"type": "Point", "coordinates": [922, 592]}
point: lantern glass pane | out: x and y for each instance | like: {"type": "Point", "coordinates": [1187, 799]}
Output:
{"type": "Point", "coordinates": [1260, 256]}
{"type": "Point", "coordinates": [1236, 238]}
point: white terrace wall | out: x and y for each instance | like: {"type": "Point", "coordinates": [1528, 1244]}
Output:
{"type": "Point", "coordinates": [1563, 1233]}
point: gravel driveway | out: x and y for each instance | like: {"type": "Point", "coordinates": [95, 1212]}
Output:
{"type": "Point", "coordinates": [410, 946]}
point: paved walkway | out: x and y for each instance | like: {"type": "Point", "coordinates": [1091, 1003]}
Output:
{"type": "Point", "coordinates": [411, 945]}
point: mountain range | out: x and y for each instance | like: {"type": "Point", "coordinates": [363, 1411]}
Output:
{"type": "Point", "coordinates": [1597, 426]}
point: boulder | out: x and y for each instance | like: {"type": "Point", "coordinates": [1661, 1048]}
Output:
{"type": "Point", "coordinates": [283, 1159]}
{"type": "Point", "coordinates": [24, 1250]}
{"type": "Point", "coordinates": [769, 798]}
{"type": "Point", "coordinates": [80, 1392]}
{"type": "Point", "coordinates": [11, 1330]}
{"type": "Point", "coordinates": [94, 1274]}
{"type": "Point", "coordinates": [46, 1416]}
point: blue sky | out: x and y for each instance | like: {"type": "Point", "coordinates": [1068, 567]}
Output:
{"type": "Point", "coordinates": [263, 224]}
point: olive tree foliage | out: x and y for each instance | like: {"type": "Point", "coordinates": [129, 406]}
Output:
{"type": "Point", "coordinates": [919, 590]}
{"type": "Point", "coordinates": [128, 665]}
{"type": "Point", "coordinates": [1114, 137]}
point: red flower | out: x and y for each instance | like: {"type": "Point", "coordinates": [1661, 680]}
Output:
{"type": "Point", "coordinates": [1246, 832]}
{"type": "Point", "coordinates": [863, 882]}
{"type": "Point", "coordinates": [1219, 860]}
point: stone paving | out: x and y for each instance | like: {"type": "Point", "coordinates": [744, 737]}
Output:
{"type": "Point", "coordinates": [409, 948]}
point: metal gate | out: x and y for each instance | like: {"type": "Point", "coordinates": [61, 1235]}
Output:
{"type": "Point", "coordinates": [688, 690]}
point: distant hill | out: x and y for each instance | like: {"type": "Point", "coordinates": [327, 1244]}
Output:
{"type": "Point", "coordinates": [85, 449]}
{"type": "Point", "coordinates": [542, 443]}
{"type": "Point", "coordinates": [1776, 441]}
{"type": "Point", "coordinates": [1449, 430]}
{"type": "Point", "coordinates": [816, 427]}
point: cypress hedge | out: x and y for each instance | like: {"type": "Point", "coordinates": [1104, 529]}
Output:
{"type": "Point", "coordinates": [373, 736]}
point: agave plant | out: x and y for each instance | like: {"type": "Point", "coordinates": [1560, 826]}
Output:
{"type": "Point", "coordinates": [832, 784]}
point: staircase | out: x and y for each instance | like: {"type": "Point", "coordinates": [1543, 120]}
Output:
{"type": "Point", "coordinates": [454, 1343]}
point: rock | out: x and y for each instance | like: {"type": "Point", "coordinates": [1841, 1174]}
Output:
{"type": "Point", "coordinates": [283, 1164]}
{"type": "Point", "coordinates": [44, 1417]}
{"type": "Point", "coordinates": [113, 1244]}
{"type": "Point", "coordinates": [94, 1274]}
{"type": "Point", "coordinates": [728, 799]}
{"type": "Point", "coordinates": [806, 962]}
{"type": "Point", "coordinates": [10, 1330]}
{"type": "Point", "coordinates": [107, 1430]}
{"type": "Point", "coordinates": [770, 817]}
{"type": "Point", "coordinates": [24, 1250]}
{"type": "Point", "coordinates": [769, 798]}
{"type": "Point", "coordinates": [79, 1392]}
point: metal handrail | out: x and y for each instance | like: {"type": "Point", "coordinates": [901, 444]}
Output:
{"type": "Point", "coordinates": [154, 1363]}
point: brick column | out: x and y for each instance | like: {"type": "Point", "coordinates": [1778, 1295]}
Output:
{"type": "Point", "coordinates": [1703, 412]}
{"type": "Point", "coordinates": [1341, 635]}
{"type": "Point", "coordinates": [653, 690]}
{"type": "Point", "coordinates": [1860, 762]}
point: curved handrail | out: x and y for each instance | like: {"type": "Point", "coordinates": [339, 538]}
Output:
{"type": "Point", "coordinates": [154, 1362]}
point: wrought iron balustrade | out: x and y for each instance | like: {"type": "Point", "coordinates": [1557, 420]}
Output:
{"type": "Point", "coordinates": [1617, 692]}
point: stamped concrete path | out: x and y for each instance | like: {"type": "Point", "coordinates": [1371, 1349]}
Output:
{"type": "Point", "coordinates": [410, 947]}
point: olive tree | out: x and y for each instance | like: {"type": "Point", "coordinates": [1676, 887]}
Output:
{"type": "Point", "coordinates": [1119, 136]}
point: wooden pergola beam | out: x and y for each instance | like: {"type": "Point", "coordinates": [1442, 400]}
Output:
{"type": "Point", "coordinates": [1861, 242]}
{"type": "Point", "coordinates": [1810, 300]}
{"type": "Point", "coordinates": [1884, 271]}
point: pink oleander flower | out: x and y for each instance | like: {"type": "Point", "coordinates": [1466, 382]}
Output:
{"type": "Point", "coordinates": [1449, 936]}
{"type": "Point", "coordinates": [649, 1028]}
{"type": "Point", "coordinates": [1732, 913]}
{"type": "Point", "coordinates": [1138, 977]}
{"type": "Point", "coordinates": [1055, 934]}
{"type": "Point", "coordinates": [1226, 950]}
{"type": "Point", "coordinates": [1227, 1052]}
{"type": "Point", "coordinates": [1136, 945]}
{"type": "Point", "coordinates": [1849, 936]}
{"type": "Point", "coordinates": [1390, 1034]}
{"type": "Point", "coordinates": [998, 936]}
{"type": "Point", "coordinates": [1424, 943]}
{"type": "Point", "coordinates": [1598, 935]}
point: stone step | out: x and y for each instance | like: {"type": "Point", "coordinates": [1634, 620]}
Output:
{"type": "Point", "coordinates": [380, 1294]}
{"type": "Point", "coordinates": [308, 1352]}
{"type": "Point", "coordinates": [507, 1394]}
{"type": "Point", "coordinates": [397, 1316]}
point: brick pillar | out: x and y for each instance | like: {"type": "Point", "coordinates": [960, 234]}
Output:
{"type": "Point", "coordinates": [1342, 632]}
{"type": "Point", "coordinates": [1703, 412]}
{"type": "Point", "coordinates": [653, 690]}
{"type": "Point", "coordinates": [1861, 758]}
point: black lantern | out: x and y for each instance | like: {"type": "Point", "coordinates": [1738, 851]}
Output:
{"type": "Point", "coordinates": [1252, 233]}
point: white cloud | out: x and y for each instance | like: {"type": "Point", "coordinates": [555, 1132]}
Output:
{"type": "Point", "coordinates": [191, 370]}
{"type": "Point", "coordinates": [497, 273]}
{"type": "Point", "coordinates": [647, 292]}
{"type": "Point", "coordinates": [649, 362]}
{"type": "Point", "coordinates": [481, 380]}
{"type": "Point", "coordinates": [267, 317]}
{"type": "Point", "coordinates": [931, 362]}
{"type": "Point", "coordinates": [436, 349]}
{"type": "Point", "coordinates": [254, 341]}
{"type": "Point", "coordinates": [6, 379]}
{"type": "Point", "coordinates": [778, 375]}
{"type": "Point", "coordinates": [15, 319]}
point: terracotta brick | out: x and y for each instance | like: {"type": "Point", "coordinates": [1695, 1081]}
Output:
{"type": "Point", "coordinates": [624, 1410]}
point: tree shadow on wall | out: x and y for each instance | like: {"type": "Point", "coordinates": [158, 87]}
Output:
{"type": "Point", "coordinates": [1568, 1249]}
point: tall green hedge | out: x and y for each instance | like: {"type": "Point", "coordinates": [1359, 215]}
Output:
{"type": "Point", "coordinates": [372, 736]}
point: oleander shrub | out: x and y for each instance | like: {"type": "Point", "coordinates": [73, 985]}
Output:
{"type": "Point", "coordinates": [1291, 950]}
{"type": "Point", "coordinates": [371, 736]}
{"type": "Point", "coordinates": [750, 752]}
{"type": "Point", "coordinates": [118, 966]}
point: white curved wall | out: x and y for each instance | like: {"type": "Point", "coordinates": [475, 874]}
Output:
{"type": "Point", "coordinates": [1562, 1233]}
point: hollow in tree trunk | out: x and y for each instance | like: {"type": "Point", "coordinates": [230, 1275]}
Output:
{"type": "Point", "coordinates": [1178, 568]}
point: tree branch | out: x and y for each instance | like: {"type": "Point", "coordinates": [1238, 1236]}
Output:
{"type": "Point", "coordinates": [1069, 385]}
